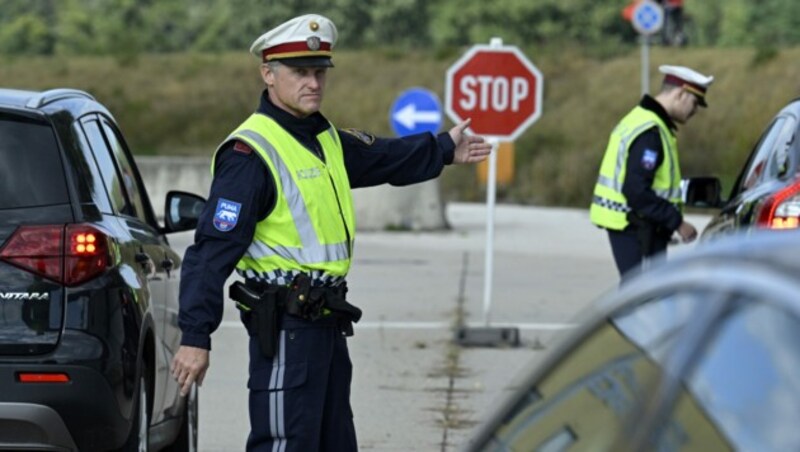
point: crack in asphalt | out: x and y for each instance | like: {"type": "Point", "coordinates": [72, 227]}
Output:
{"type": "Point", "coordinates": [450, 410]}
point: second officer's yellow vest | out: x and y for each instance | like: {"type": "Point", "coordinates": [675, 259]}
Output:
{"type": "Point", "coordinates": [312, 227]}
{"type": "Point", "coordinates": [609, 206]}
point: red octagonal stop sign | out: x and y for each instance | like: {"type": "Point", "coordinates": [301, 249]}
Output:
{"type": "Point", "coordinates": [498, 87]}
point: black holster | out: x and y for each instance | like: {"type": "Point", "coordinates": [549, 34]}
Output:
{"type": "Point", "coordinates": [645, 233]}
{"type": "Point", "coordinates": [261, 309]}
{"type": "Point", "coordinates": [310, 303]}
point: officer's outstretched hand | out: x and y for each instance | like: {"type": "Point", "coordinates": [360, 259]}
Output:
{"type": "Point", "coordinates": [189, 366]}
{"type": "Point", "coordinates": [469, 148]}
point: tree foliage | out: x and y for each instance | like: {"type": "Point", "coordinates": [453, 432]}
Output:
{"type": "Point", "coordinates": [762, 23]}
{"type": "Point", "coordinates": [128, 27]}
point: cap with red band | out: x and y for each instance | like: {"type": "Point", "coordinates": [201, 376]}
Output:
{"type": "Point", "coordinates": [306, 40]}
{"type": "Point", "coordinates": [688, 79]}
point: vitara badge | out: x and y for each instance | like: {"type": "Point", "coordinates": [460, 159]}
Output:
{"type": "Point", "coordinates": [226, 215]}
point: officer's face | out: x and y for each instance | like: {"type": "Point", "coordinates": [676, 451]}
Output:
{"type": "Point", "coordinates": [298, 90]}
{"type": "Point", "coordinates": [686, 106]}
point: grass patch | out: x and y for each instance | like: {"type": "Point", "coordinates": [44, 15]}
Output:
{"type": "Point", "coordinates": [187, 103]}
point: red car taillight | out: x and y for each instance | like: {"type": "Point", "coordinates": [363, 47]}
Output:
{"type": "Point", "coordinates": [43, 377]}
{"type": "Point", "coordinates": [86, 252]}
{"type": "Point", "coordinates": [69, 255]}
{"type": "Point", "coordinates": [781, 210]}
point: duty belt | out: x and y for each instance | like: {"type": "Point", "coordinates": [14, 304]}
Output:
{"type": "Point", "coordinates": [263, 303]}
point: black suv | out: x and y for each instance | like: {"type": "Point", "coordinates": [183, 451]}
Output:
{"type": "Point", "coordinates": [88, 285]}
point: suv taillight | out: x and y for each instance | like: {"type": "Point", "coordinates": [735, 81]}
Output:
{"type": "Point", "coordinates": [781, 210]}
{"type": "Point", "coordinates": [69, 255]}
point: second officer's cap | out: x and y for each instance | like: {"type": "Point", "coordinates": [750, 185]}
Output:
{"type": "Point", "coordinates": [305, 41]}
{"type": "Point", "coordinates": [688, 79]}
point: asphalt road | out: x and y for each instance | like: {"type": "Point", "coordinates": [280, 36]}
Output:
{"type": "Point", "coordinates": [414, 388]}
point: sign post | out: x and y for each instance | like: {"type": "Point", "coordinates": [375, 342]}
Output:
{"type": "Point", "coordinates": [501, 91]}
{"type": "Point", "coordinates": [505, 166]}
{"type": "Point", "coordinates": [647, 19]}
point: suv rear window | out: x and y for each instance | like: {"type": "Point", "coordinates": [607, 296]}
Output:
{"type": "Point", "coordinates": [31, 172]}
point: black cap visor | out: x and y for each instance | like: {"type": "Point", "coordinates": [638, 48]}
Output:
{"type": "Point", "coordinates": [307, 61]}
{"type": "Point", "coordinates": [701, 100]}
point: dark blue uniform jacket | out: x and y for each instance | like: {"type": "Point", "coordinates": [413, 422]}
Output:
{"type": "Point", "coordinates": [645, 156]}
{"type": "Point", "coordinates": [241, 176]}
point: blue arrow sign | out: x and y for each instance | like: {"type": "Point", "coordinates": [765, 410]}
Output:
{"type": "Point", "coordinates": [415, 110]}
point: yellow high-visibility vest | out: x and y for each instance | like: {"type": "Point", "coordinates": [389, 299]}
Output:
{"type": "Point", "coordinates": [609, 206]}
{"type": "Point", "coordinates": [312, 227]}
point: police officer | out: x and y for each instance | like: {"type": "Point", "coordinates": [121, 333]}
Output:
{"type": "Point", "coordinates": [637, 197]}
{"type": "Point", "coordinates": [280, 211]}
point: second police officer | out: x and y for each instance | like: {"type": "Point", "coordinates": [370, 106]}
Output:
{"type": "Point", "coordinates": [637, 197]}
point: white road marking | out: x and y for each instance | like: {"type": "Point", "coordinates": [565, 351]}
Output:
{"type": "Point", "coordinates": [364, 325]}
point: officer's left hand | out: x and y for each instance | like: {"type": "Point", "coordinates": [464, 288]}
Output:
{"type": "Point", "coordinates": [687, 232]}
{"type": "Point", "coordinates": [469, 148]}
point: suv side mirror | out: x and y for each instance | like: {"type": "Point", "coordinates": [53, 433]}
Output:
{"type": "Point", "coordinates": [702, 192]}
{"type": "Point", "coordinates": [182, 211]}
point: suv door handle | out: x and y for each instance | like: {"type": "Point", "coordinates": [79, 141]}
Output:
{"type": "Point", "coordinates": [167, 264]}
{"type": "Point", "coordinates": [142, 258]}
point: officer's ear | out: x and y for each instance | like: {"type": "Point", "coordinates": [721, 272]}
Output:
{"type": "Point", "coordinates": [268, 74]}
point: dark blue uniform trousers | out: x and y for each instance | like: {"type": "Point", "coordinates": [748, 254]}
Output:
{"type": "Point", "coordinates": [628, 252]}
{"type": "Point", "coordinates": [300, 399]}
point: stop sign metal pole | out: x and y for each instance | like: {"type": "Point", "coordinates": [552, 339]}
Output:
{"type": "Point", "coordinates": [491, 194]}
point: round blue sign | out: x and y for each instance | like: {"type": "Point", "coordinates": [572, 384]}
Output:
{"type": "Point", "coordinates": [648, 17]}
{"type": "Point", "coordinates": [415, 110]}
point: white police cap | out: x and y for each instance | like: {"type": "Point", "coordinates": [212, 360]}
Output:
{"type": "Point", "coordinates": [688, 79]}
{"type": "Point", "coordinates": [306, 40]}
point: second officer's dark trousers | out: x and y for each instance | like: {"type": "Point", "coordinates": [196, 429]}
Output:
{"type": "Point", "coordinates": [300, 399]}
{"type": "Point", "coordinates": [628, 252]}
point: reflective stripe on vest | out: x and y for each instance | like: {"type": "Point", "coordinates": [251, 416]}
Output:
{"type": "Point", "coordinates": [312, 250]}
{"type": "Point", "coordinates": [609, 205]}
{"type": "Point", "coordinates": [295, 237]}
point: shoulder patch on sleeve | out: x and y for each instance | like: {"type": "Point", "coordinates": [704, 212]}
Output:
{"type": "Point", "coordinates": [226, 215]}
{"type": "Point", "coordinates": [649, 159]}
{"type": "Point", "coordinates": [362, 136]}
{"type": "Point", "coordinates": [242, 148]}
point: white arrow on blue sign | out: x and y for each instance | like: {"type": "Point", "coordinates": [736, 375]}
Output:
{"type": "Point", "coordinates": [415, 110]}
